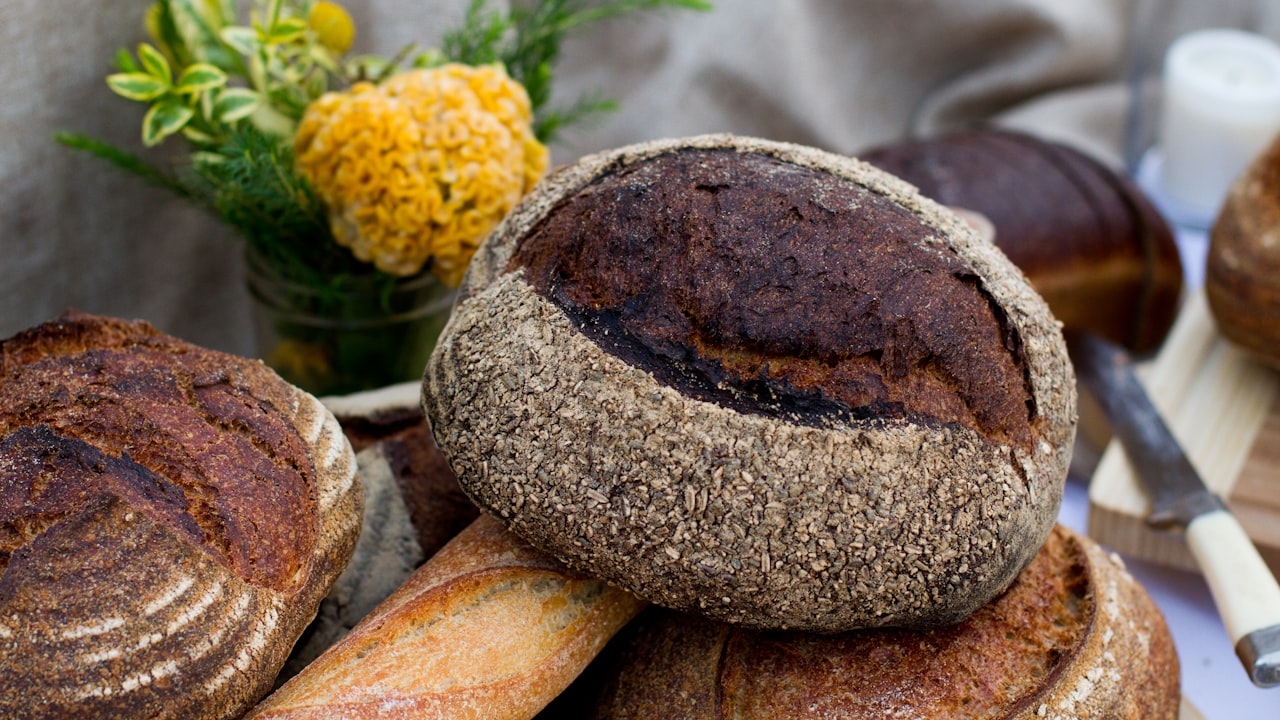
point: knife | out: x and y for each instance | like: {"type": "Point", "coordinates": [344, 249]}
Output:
{"type": "Point", "coordinates": [1242, 586]}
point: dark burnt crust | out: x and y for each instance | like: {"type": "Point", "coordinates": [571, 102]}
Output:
{"type": "Point", "coordinates": [49, 478]}
{"type": "Point", "coordinates": [767, 287]}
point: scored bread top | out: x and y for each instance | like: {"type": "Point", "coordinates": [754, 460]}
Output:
{"type": "Point", "coordinates": [772, 290]}
{"type": "Point", "coordinates": [170, 518]}
{"type": "Point", "coordinates": [815, 444]}
{"type": "Point", "coordinates": [241, 475]}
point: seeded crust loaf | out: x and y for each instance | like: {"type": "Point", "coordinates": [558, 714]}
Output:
{"type": "Point", "coordinates": [1074, 637]}
{"type": "Point", "coordinates": [1089, 240]}
{"type": "Point", "coordinates": [170, 518]}
{"type": "Point", "coordinates": [758, 381]}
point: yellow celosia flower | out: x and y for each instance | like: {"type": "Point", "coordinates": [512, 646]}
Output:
{"type": "Point", "coordinates": [423, 166]}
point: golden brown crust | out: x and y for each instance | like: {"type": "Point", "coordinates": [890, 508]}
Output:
{"type": "Point", "coordinates": [1242, 271]}
{"type": "Point", "coordinates": [170, 518]}
{"type": "Point", "coordinates": [1074, 637]}
{"type": "Point", "coordinates": [392, 419]}
{"type": "Point", "coordinates": [744, 516]}
{"type": "Point", "coordinates": [488, 629]}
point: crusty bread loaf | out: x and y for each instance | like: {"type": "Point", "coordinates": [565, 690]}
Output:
{"type": "Point", "coordinates": [1242, 270]}
{"type": "Point", "coordinates": [392, 418]}
{"type": "Point", "coordinates": [488, 629]}
{"type": "Point", "coordinates": [1091, 243]}
{"type": "Point", "coordinates": [170, 518]}
{"type": "Point", "coordinates": [757, 381]}
{"type": "Point", "coordinates": [1074, 637]}
{"type": "Point", "coordinates": [413, 506]}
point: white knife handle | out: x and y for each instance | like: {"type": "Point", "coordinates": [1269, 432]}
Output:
{"type": "Point", "coordinates": [1245, 591]}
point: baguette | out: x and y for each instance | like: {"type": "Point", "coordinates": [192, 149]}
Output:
{"type": "Point", "coordinates": [488, 628]}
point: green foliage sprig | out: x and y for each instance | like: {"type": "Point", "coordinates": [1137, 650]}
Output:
{"type": "Point", "coordinates": [527, 40]}
{"type": "Point", "coordinates": [236, 91]}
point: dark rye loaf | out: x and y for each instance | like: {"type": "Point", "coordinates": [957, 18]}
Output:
{"type": "Point", "coordinates": [766, 383]}
{"type": "Point", "coordinates": [170, 518]}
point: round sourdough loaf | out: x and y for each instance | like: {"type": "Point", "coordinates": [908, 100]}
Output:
{"type": "Point", "coordinates": [1074, 637]}
{"type": "Point", "coordinates": [763, 382]}
{"type": "Point", "coordinates": [170, 518]}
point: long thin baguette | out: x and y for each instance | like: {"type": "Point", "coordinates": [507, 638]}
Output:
{"type": "Point", "coordinates": [488, 628]}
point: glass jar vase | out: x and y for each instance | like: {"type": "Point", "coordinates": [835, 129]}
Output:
{"type": "Point", "coordinates": [356, 332]}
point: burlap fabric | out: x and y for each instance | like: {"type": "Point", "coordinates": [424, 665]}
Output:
{"type": "Point", "coordinates": [837, 74]}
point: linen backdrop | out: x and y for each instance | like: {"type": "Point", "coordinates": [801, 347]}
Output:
{"type": "Point", "coordinates": [837, 74]}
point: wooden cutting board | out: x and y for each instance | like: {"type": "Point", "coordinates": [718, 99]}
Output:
{"type": "Point", "coordinates": [1224, 408]}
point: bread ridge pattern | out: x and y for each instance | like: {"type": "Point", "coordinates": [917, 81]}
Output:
{"type": "Point", "coordinates": [113, 602]}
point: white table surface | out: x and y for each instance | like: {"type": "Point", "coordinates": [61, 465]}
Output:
{"type": "Point", "coordinates": [1212, 678]}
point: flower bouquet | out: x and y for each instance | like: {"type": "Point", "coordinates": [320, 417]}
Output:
{"type": "Point", "coordinates": [361, 185]}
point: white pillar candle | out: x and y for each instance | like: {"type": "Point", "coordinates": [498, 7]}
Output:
{"type": "Point", "coordinates": [1221, 108]}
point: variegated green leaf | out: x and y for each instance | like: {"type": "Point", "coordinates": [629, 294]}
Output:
{"type": "Point", "coordinates": [136, 86]}
{"type": "Point", "coordinates": [159, 26]}
{"type": "Point", "coordinates": [200, 77]}
{"type": "Point", "coordinates": [164, 119]}
{"type": "Point", "coordinates": [218, 13]}
{"type": "Point", "coordinates": [197, 137]}
{"type": "Point", "coordinates": [322, 56]}
{"type": "Point", "coordinates": [273, 122]}
{"type": "Point", "coordinates": [286, 31]}
{"type": "Point", "coordinates": [272, 13]}
{"type": "Point", "coordinates": [235, 104]}
{"type": "Point", "coordinates": [192, 21]}
{"type": "Point", "coordinates": [125, 63]}
{"type": "Point", "coordinates": [243, 40]}
{"type": "Point", "coordinates": [154, 63]}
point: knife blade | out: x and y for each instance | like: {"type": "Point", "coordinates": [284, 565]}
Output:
{"type": "Point", "coordinates": [1243, 587]}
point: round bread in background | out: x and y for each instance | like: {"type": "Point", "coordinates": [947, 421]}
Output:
{"type": "Point", "coordinates": [1074, 637]}
{"type": "Point", "coordinates": [761, 382]}
{"type": "Point", "coordinates": [1242, 269]}
{"type": "Point", "coordinates": [1091, 243]}
{"type": "Point", "coordinates": [170, 519]}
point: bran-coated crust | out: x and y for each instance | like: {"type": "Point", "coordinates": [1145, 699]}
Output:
{"type": "Point", "coordinates": [739, 516]}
